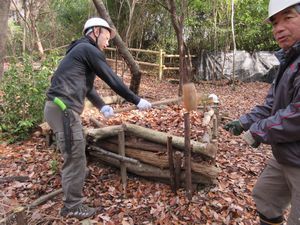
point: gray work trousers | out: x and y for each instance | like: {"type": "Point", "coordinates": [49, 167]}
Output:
{"type": "Point", "coordinates": [74, 166]}
{"type": "Point", "coordinates": [277, 188]}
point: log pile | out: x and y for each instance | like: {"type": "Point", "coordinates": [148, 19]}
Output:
{"type": "Point", "coordinates": [153, 154]}
{"type": "Point", "coordinates": [147, 152]}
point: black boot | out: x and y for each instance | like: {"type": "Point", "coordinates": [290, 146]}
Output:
{"type": "Point", "coordinates": [274, 221]}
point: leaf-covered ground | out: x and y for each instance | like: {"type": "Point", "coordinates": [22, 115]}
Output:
{"type": "Point", "coordinates": [145, 202]}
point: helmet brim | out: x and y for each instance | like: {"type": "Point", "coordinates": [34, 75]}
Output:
{"type": "Point", "coordinates": [113, 33]}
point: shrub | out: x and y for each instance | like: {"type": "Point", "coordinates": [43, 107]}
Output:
{"type": "Point", "coordinates": [23, 90]}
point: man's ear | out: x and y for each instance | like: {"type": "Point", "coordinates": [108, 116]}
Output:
{"type": "Point", "coordinates": [97, 31]}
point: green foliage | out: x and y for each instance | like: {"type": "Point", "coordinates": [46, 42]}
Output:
{"type": "Point", "coordinates": [54, 166]}
{"type": "Point", "coordinates": [14, 37]}
{"type": "Point", "coordinates": [71, 16]}
{"type": "Point", "coordinates": [23, 87]}
{"type": "Point", "coordinates": [251, 31]}
{"type": "Point", "coordinates": [209, 25]}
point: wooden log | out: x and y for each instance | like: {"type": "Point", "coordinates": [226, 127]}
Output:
{"type": "Point", "coordinates": [139, 143]}
{"type": "Point", "coordinates": [149, 171]}
{"type": "Point", "coordinates": [161, 160]}
{"type": "Point", "coordinates": [104, 132]}
{"type": "Point", "coordinates": [152, 158]}
{"type": "Point", "coordinates": [205, 169]}
{"type": "Point", "coordinates": [206, 149]}
{"type": "Point", "coordinates": [97, 123]}
{"type": "Point", "coordinates": [153, 140]}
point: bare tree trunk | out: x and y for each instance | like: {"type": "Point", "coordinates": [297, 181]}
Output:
{"type": "Point", "coordinates": [178, 24]}
{"type": "Point", "coordinates": [38, 40]}
{"type": "Point", "coordinates": [234, 44]}
{"type": "Point", "coordinates": [131, 11]}
{"type": "Point", "coordinates": [133, 66]}
{"type": "Point", "coordinates": [25, 27]}
{"type": "Point", "coordinates": [4, 9]}
{"type": "Point", "coordinates": [30, 16]}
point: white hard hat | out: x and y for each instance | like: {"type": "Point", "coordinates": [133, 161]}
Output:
{"type": "Point", "coordinates": [275, 6]}
{"type": "Point", "coordinates": [214, 98]}
{"type": "Point", "coordinates": [98, 22]}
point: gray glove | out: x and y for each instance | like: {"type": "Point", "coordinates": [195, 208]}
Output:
{"type": "Point", "coordinates": [247, 136]}
{"type": "Point", "coordinates": [107, 111]}
{"type": "Point", "coordinates": [144, 104]}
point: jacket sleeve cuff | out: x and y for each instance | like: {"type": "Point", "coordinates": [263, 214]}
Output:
{"type": "Point", "coordinates": [244, 123]}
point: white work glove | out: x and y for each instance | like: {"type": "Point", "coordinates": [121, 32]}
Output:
{"type": "Point", "coordinates": [247, 136]}
{"type": "Point", "coordinates": [144, 104]}
{"type": "Point", "coordinates": [107, 111]}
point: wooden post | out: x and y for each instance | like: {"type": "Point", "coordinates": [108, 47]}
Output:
{"type": "Point", "coordinates": [177, 169]}
{"type": "Point", "coordinates": [215, 127]}
{"type": "Point", "coordinates": [161, 64]}
{"type": "Point", "coordinates": [20, 216]}
{"type": "Point", "coordinates": [187, 155]}
{"type": "Point", "coordinates": [171, 164]}
{"type": "Point", "coordinates": [217, 112]}
{"type": "Point", "coordinates": [121, 140]}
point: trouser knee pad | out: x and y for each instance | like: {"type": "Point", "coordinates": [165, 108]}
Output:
{"type": "Point", "coordinates": [270, 221]}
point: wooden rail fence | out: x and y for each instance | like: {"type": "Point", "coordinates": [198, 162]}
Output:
{"type": "Point", "coordinates": [158, 59]}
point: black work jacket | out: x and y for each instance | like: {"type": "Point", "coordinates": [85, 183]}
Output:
{"type": "Point", "coordinates": [74, 78]}
{"type": "Point", "coordinates": [277, 122]}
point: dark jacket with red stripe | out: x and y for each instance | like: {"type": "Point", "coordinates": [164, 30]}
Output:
{"type": "Point", "coordinates": [74, 78]}
{"type": "Point", "coordinates": [277, 122]}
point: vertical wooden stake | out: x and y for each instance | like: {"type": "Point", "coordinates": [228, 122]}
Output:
{"type": "Point", "coordinates": [177, 169]}
{"type": "Point", "coordinates": [20, 216]}
{"type": "Point", "coordinates": [161, 64]}
{"type": "Point", "coordinates": [187, 154]}
{"type": "Point", "coordinates": [121, 141]}
{"type": "Point", "coordinates": [171, 164]}
{"type": "Point", "coordinates": [215, 127]}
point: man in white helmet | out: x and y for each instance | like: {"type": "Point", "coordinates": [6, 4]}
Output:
{"type": "Point", "coordinates": [277, 122]}
{"type": "Point", "coordinates": [72, 82]}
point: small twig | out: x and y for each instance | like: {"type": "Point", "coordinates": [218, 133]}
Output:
{"type": "Point", "coordinates": [44, 198]}
{"type": "Point", "coordinates": [35, 203]}
{"type": "Point", "coordinates": [13, 178]}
